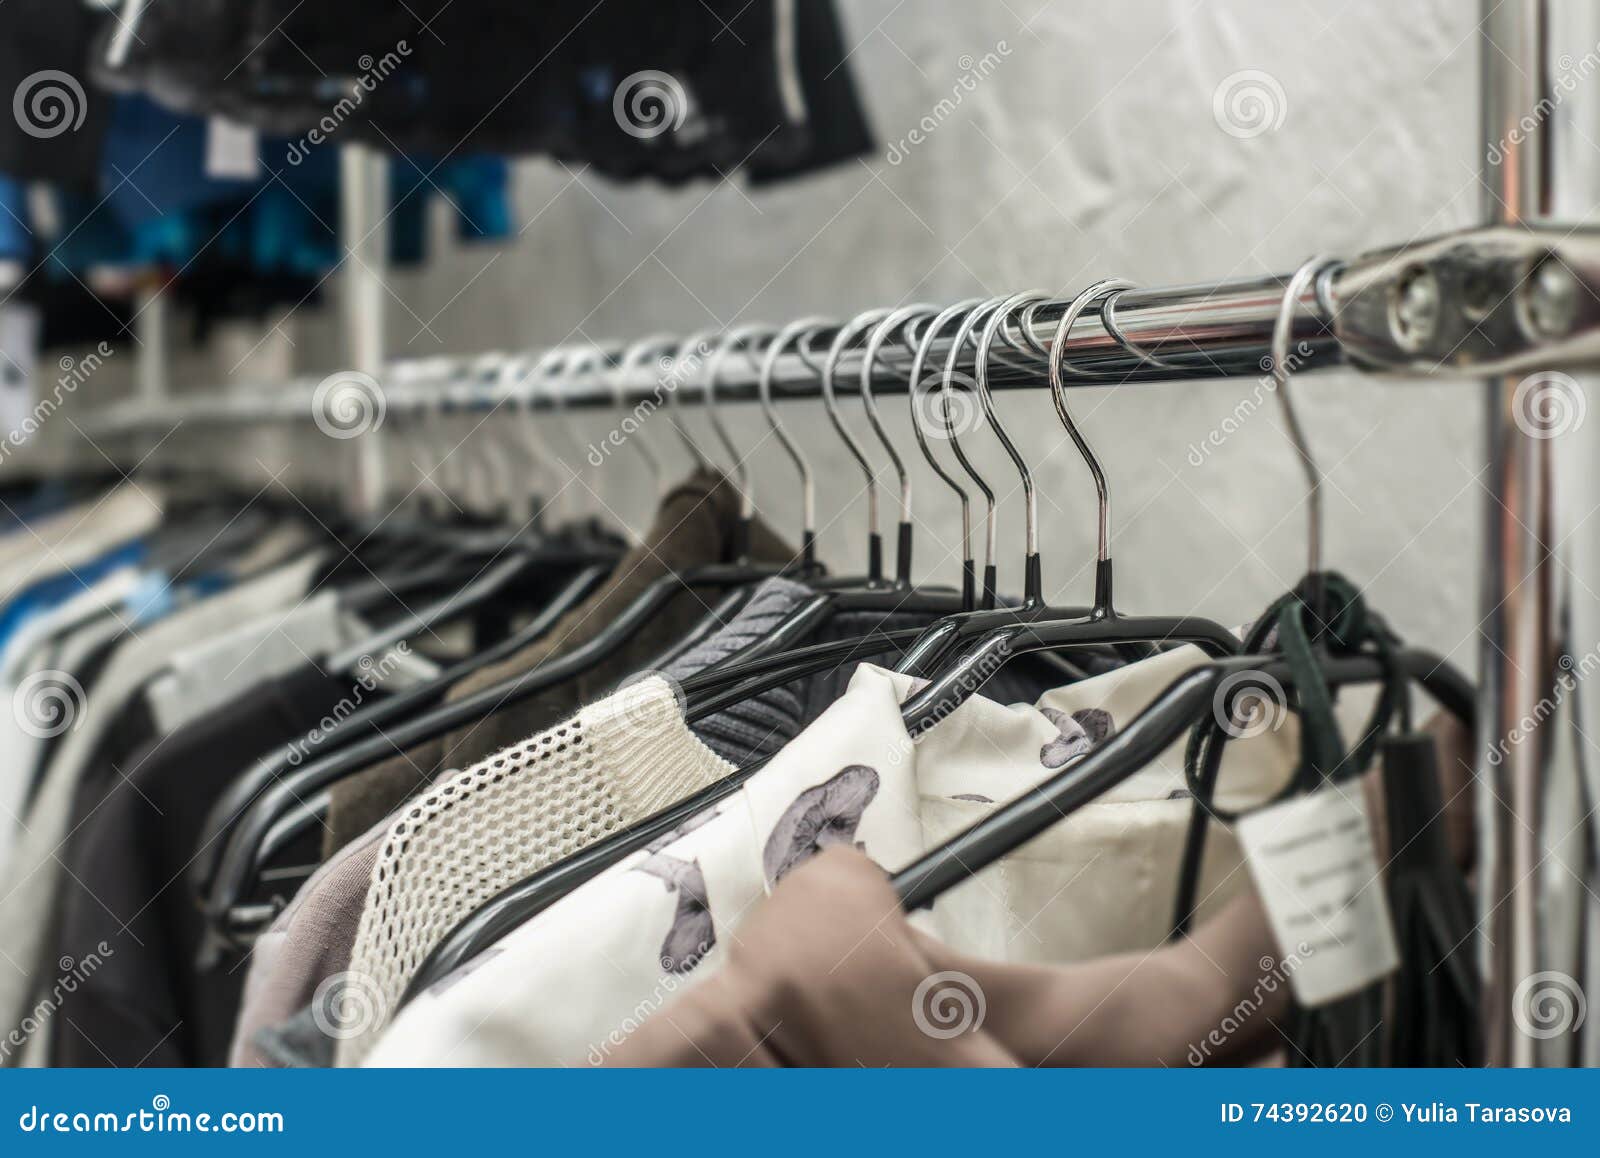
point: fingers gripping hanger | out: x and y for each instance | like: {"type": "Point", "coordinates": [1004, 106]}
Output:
{"type": "Point", "coordinates": [794, 332]}
{"type": "Point", "coordinates": [898, 320]}
{"type": "Point", "coordinates": [703, 697]}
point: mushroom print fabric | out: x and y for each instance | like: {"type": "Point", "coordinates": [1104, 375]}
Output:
{"type": "Point", "coordinates": [820, 817]}
{"type": "Point", "coordinates": [1080, 733]}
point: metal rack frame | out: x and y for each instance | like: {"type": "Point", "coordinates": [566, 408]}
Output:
{"type": "Point", "coordinates": [1519, 294]}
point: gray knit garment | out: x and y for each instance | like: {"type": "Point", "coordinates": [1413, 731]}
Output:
{"type": "Point", "coordinates": [757, 727]}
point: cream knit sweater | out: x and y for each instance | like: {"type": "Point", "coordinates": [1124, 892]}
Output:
{"type": "Point", "coordinates": [478, 831]}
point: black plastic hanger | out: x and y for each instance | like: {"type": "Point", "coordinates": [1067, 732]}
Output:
{"type": "Point", "coordinates": [1184, 702]}
{"type": "Point", "coordinates": [227, 817]}
{"type": "Point", "coordinates": [236, 866]}
{"type": "Point", "coordinates": [772, 658]}
{"type": "Point", "coordinates": [1028, 629]}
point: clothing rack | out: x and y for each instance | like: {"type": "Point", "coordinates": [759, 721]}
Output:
{"type": "Point", "coordinates": [1350, 315]}
{"type": "Point", "coordinates": [1519, 294]}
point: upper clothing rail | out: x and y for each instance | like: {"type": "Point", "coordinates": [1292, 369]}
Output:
{"type": "Point", "coordinates": [1493, 300]}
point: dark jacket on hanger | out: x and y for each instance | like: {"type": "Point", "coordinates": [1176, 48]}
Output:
{"type": "Point", "coordinates": [694, 527]}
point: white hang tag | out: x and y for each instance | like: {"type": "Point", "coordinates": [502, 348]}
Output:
{"type": "Point", "coordinates": [1316, 871]}
{"type": "Point", "coordinates": [232, 150]}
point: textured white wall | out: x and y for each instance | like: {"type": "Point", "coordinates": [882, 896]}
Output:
{"type": "Point", "coordinates": [1090, 150]}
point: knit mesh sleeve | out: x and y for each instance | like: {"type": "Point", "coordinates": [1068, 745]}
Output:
{"type": "Point", "coordinates": [478, 831]}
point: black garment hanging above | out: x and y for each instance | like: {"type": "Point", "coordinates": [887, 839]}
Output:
{"type": "Point", "coordinates": [636, 90]}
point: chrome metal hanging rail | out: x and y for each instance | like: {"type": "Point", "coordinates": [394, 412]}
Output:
{"type": "Point", "coordinates": [1463, 304]}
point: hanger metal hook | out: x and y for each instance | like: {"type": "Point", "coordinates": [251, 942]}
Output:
{"type": "Point", "coordinates": [948, 413]}
{"type": "Point", "coordinates": [794, 331]}
{"type": "Point", "coordinates": [1032, 581]}
{"type": "Point", "coordinates": [537, 384]}
{"type": "Point", "coordinates": [747, 335]}
{"type": "Point", "coordinates": [633, 357]}
{"type": "Point", "coordinates": [914, 395]}
{"type": "Point", "coordinates": [899, 320]}
{"type": "Point", "coordinates": [516, 379]}
{"type": "Point", "coordinates": [1058, 364]}
{"type": "Point", "coordinates": [673, 372]}
{"type": "Point", "coordinates": [1282, 329]}
{"type": "Point", "coordinates": [848, 332]}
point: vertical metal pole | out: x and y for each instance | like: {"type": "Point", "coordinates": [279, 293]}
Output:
{"type": "Point", "coordinates": [1536, 90]}
{"type": "Point", "coordinates": [152, 365]}
{"type": "Point", "coordinates": [151, 369]}
{"type": "Point", "coordinates": [363, 212]}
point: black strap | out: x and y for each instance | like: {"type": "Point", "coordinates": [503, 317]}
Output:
{"type": "Point", "coordinates": [1324, 615]}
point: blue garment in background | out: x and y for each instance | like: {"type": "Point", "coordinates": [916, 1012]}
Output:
{"type": "Point", "coordinates": [44, 594]}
